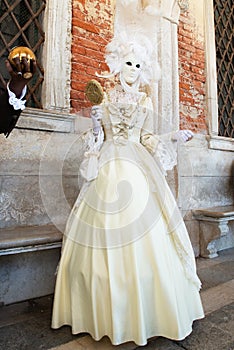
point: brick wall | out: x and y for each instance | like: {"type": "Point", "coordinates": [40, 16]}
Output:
{"type": "Point", "coordinates": [92, 27]}
{"type": "Point", "coordinates": [192, 76]}
{"type": "Point", "coordinates": [92, 23]}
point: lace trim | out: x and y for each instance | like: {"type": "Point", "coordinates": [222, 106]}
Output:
{"type": "Point", "coordinates": [92, 145]}
{"type": "Point", "coordinates": [17, 103]}
{"type": "Point", "coordinates": [187, 261]}
{"type": "Point", "coordinates": [167, 155]}
{"type": "Point", "coordinates": [118, 95]}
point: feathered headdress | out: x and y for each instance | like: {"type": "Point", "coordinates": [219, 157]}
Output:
{"type": "Point", "coordinates": [135, 31]}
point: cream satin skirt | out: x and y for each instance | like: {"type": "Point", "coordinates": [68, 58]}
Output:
{"type": "Point", "coordinates": [120, 274]}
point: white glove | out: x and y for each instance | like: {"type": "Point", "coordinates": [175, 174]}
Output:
{"type": "Point", "coordinates": [96, 115]}
{"type": "Point", "coordinates": [182, 135]}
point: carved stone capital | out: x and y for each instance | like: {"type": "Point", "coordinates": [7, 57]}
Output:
{"type": "Point", "coordinates": [183, 4]}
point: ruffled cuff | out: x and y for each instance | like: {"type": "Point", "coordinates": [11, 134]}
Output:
{"type": "Point", "coordinates": [89, 166]}
{"type": "Point", "coordinates": [166, 153]}
{"type": "Point", "coordinates": [17, 103]}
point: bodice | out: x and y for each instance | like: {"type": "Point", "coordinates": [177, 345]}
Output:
{"type": "Point", "coordinates": [124, 116]}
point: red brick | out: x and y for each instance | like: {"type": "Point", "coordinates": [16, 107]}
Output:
{"type": "Point", "coordinates": [75, 95]}
{"type": "Point", "coordinates": [104, 67]}
{"type": "Point", "coordinates": [188, 100]}
{"type": "Point", "coordinates": [198, 84]}
{"type": "Point", "coordinates": [84, 25]}
{"type": "Point", "coordinates": [76, 3]}
{"type": "Point", "coordinates": [200, 64]}
{"type": "Point", "coordinates": [187, 40]}
{"type": "Point", "coordinates": [192, 75]}
{"type": "Point", "coordinates": [78, 85]}
{"type": "Point", "coordinates": [95, 54]}
{"type": "Point", "coordinates": [77, 67]}
{"type": "Point", "coordinates": [184, 86]}
{"type": "Point", "coordinates": [200, 77]}
{"type": "Point", "coordinates": [79, 58]}
{"type": "Point", "coordinates": [90, 44]}
{"type": "Point", "coordinates": [76, 13]}
{"type": "Point", "coordinates": [197, 70]}
{"type": "Point", "coordinates": [88, 47]}
{"type": "Point", "coordinates": [78, 49]}
{"type": "Point", "coordinates": [198, 55]}
{"type": "Point", "coordinates": [75, 106]}
{"type": "Point", "coordinates": [187, 47]}
{"type": "Point", "coordinates": [184, 33]}
{"type": "Point", "coordinates": [91, 71]}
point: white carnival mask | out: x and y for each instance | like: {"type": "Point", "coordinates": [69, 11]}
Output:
{"type": "Point", "coordinates": [131, 69]}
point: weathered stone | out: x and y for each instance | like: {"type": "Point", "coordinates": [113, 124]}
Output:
{"type": "Point", "coordinates": [208, 336]}
{"type": "Point", "coordinates": [204, 192]}
{"type": "Point", "coordinates": [196, 159]}
{"type": "Point", "coordinates": [213, 224]}
{"type": "Point", "coordinates": [160, 344]}
{"type": "Point", "coordinates": [29, 275]}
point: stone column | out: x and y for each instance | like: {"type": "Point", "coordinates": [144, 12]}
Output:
{"type": "Point", "coordinates": [57, 55]}
{"type": "Point", "coordinates": [168, 89]}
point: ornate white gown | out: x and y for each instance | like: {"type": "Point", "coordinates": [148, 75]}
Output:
{"type": "Point", "coordinates": [127, 268]}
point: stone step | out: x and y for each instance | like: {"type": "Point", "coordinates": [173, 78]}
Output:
{"type": "Point", "coordinates": [29, 238]}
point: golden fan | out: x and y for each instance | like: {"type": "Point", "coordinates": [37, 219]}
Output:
{"type": "Point", "coordinates": [21, 52]}
{"type": "Point", "coordinates": [94, 92]}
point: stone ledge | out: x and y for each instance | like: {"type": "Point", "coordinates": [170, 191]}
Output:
{"type": "Point", "coordinates": [220, 143]}
{"type": "Point", "coordinates": [213, 223]}
{"type": "Point", "coordinates": [215, 212]}
{"type": "Point", "coordinates": [46, 120]}
{"type": "Point", "coordinates": [29, 238]}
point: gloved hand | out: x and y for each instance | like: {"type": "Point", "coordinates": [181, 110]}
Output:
{"type": "Point", "coordinates": [18, 82]}
{"type": "Point", "coordinates": [182, 135]}
{"type": "Point", "coordinates": [96, 115]}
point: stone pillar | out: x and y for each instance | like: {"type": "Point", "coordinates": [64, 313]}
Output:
{"type": "Point", "coordinates": [57, 26]}
{"type": "Point", "coordinates": [168, 90]}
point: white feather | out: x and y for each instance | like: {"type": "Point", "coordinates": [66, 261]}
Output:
{"type": "Point", "coordinates": [136, 29]}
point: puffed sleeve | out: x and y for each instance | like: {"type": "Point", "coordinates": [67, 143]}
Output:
{"type": "Point", "coordinates": [162, 147]}
{"type": "Point", "coordinates": [92, 144]}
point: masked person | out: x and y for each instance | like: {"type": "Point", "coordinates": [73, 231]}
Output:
{"type": "Point", "coordinates": [12, 101]}
{"type": "Point", "coordinates": [127, 269]}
